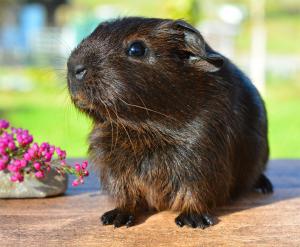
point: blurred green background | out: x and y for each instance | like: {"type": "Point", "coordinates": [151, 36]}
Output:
{"type": "Point", "coordinates": [36, 38]}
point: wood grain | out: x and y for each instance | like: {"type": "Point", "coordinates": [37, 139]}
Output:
{"type": "Point", "coordinates": [73, 219]}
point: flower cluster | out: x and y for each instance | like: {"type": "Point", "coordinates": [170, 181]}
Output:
{"type": "Point", "coordinates": [20, 155]}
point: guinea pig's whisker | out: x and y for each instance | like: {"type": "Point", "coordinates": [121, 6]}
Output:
{"type": "Point", "coordinates": [157, 112]}
{"type": "Point", "coordinates": [131, 143]}
{"type": "Point", "coordinates": [63, 43]}
{"type": "Point", "coordinates": [117, 125]}
{"type": "Point", "coordinates": [110, 121]}
{"type": "Point", "coordinates": [126, 131]}
{"type": "Point", "coordinates": [146, 108]}
{"type": "Point", "coordinates": [92, 98]}
{"type": "Point", "coordinates": [143, 104]}
{"type": "Point", "coordinates": [111, 125]}
{"type": "Point", "coordinates": [149, 133]}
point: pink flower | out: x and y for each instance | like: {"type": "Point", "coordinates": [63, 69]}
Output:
{"type": "Point", "coordinates": [48, 157]}
{"type": "Point", "coordinates": [2, 150]}
{"type": "Point", "coordinates": [19, 155]}
{"type": "Point", "coordinates": [13, 178]}
{"type": "Point", "coordinates": [11, 145]}
{"type": "Point", "coordinates": [4, 124]}
{"type": "Point", "coordinates": [3, 162]}
{"type": "Point", "coordinates": [61, 153]}
{"type": "Point", "coordinates": [2, 165]}
{"type": "Point", "coordinates": [29, 139]}
{"type": "Point", "coordinates": [17, 177]}
{"type": "Point", "coordinates": [31, 153]}
{"type": "Point", "coordinates": [4, 143]}
{"type": "Point", "coordinates": [5, 158]}
{"type": "Point", "coordinates": [39, 174]}
{"type": "Point", "coordinates": [13, 168]}
{"type": "Point", "coordinates": [27, 157]}
{"type": "Point", "coordinates": [45, 145]}
{"type": "Point", "coordinates": [37, 165]}
{"type": "Point", "coordinates": [77, 167]}
{"type": "Point", "coordinates": [35, 147]}
{"type": "Point", "coordinates": [23, 137]}
{"type": "Point", "coordinates": [52, 149]}
{"type": "Point", "coordinates": [75, 183]}
{"type": "Point", "coordinates": [84, 165]}
{"type": "Point", "coordinates": [23, 163]}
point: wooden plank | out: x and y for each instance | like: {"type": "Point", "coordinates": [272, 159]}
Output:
{"type": "Point", "coordinates": [73, 219]}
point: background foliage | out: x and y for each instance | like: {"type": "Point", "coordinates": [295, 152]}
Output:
{"type": "Point", "coordinates": [45, 108]}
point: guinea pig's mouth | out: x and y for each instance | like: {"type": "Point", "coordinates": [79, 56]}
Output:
{"type": "Point", "coordinates": [81, 103]}
{"type": "Point", "coordinates": [88, 108]}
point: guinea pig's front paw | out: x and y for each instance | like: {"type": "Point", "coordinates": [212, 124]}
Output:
{"type": "Point", "coordinates": [194, 220]}
{"type": "Point", "coordinates": [118, 218]}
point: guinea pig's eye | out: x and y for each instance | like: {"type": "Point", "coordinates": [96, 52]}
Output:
{"type": "Point", "coordinates": [136, 49]}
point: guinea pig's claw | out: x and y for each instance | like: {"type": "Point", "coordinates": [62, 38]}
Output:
{"type": "Point", "coordinates": [108, 217]}
{"type": "Point", "coordinates": [194, 220]}
{"type": "Point", "coordinates": [117, 218]}
{"type": "Point", "coordinates": [264, 184]}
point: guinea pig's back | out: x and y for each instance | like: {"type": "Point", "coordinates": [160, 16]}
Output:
{"type": "Point", "coordinates": [251, 142]}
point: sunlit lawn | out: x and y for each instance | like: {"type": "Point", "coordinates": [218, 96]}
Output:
{"type": "Point", "coordinates": [47, 112]}
{"type": "Point", "coordinates": [283, 104]}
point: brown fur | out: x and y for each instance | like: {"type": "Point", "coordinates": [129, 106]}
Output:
{"type": "Point", "coordinates": [181, 128]}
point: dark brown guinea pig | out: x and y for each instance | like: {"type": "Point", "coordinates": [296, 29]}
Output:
{"type": "Point", "coordinates": [176, 125]}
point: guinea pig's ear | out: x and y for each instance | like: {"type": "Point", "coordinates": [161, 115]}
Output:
{"type": "Point", "coordinates": [196, 50]}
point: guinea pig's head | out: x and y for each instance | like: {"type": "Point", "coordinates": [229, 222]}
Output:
{"type": "Point", "coordinates": [139, 69]}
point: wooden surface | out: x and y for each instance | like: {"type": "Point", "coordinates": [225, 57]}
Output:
{"type": "Point", "coordinates": [73, 219]}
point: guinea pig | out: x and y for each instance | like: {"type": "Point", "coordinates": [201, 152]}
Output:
{"type": "Point", "coordinates": [176, 125]}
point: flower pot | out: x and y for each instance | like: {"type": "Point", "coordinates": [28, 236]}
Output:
{"type": "Point", "coordinates": [53, 184]}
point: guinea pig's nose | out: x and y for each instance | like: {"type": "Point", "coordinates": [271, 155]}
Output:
{"type": "Point", "coordinates": [80, 72]}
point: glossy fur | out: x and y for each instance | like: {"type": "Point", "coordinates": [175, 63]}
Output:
{"type": "Point", "coordinates": [181, 128]}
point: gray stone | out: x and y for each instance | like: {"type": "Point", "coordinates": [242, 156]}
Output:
{"type": "Point", "coordinates": [52, 185]}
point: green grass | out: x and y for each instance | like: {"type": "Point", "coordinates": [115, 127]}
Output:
{"type": "Point", "coordinates": [283, 105]}
{"type": "Point", "coordinates": [47, 112]}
